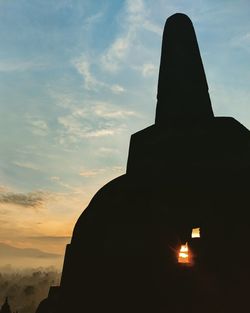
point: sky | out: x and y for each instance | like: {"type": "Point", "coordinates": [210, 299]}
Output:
{"type": "Point", "coordinates": [77, 78]}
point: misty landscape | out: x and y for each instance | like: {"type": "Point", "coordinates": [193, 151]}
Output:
{"type": "Point", "coordinates": [26, 257]}
{"type": "Point", "coordinates": [22, 278]}
{"type": "Point", "coordinates": [27, 287]}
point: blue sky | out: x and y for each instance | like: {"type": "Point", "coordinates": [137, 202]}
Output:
{"type": "Point", "coordinates": [77, 78]}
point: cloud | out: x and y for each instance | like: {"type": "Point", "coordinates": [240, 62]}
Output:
{"type": "Point", "coordinates": [19, 65]}
{"type": "Point", "coordinates": [105, 151]}
{"type": "Point", "coordinates": [89, 173]}
{"type": "Point", "coordinates": [148, 69]}
{"type": "Point", "coordinates": [117, 89]}
{"type": "Point", "coordinates": [136, 18]}
{"type": "Point", "coordinates": [153, 28]}
{"type": "Point", "coordinates": [109, 111]}
{"type": "Point", "coordinates": [117, 168]}
{"type": "Point", "coordinates": [50, 239]}
{"type": "Point", "coordinates": [3, 188]}
{"type": "Point", "coordinates": [102, 171]}
{"type": "Point", "coordinates": [32, 199]}
{"type": "Point", "coordinates": [27, 165]}
{"type": "Point", "coordinates": [84, 66]}
{"type": "Point", "coordinates": [97, 119]}
{"type": "Point", "coordinates": [93, 19]}
{"type": "Point", "coordinates": [54, 178]}
{"type": "Point", "coordinates": [101, 133]}
{"type": "Point", "coordinates": [75, 129]}
{"type": "Point", "coordinates": [38, 127]}
{"type": "Point", "coordinates": [116, 52]}
{"type": "Point", "coordinates": [242, 41]}
{"type": "Point", "coordinates": [63, 100]}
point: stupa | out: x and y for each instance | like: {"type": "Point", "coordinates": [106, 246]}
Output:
{"type": "Point", "coordinates": [189, 170]}
{"type": "Point", "coordinates": [5, 307]}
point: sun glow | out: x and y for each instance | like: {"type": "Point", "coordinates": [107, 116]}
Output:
{"type": "Point", "coordinates": [183, 256]}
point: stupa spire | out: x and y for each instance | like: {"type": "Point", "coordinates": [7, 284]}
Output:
{"type": "Point", "coordinates": [182, 85]}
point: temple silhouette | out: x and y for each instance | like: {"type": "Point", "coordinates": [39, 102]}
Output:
{"type": "Point", "coordinates": [188, 170]}
{"type": "Point", "coordinates": [6, 307]}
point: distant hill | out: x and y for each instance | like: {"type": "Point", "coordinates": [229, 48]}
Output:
{"type": "Point", "coordinates": [7, 251]}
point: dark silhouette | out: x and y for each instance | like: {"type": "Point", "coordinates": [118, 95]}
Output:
{"type": "Point", "coordinates": [49, 304]}
{"type": "Point", "coordinates": [182, 86]}
{"type": "Point", "coordinates": [5, 307]}
{"type": "Point", "coordinates": [190, 169]}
